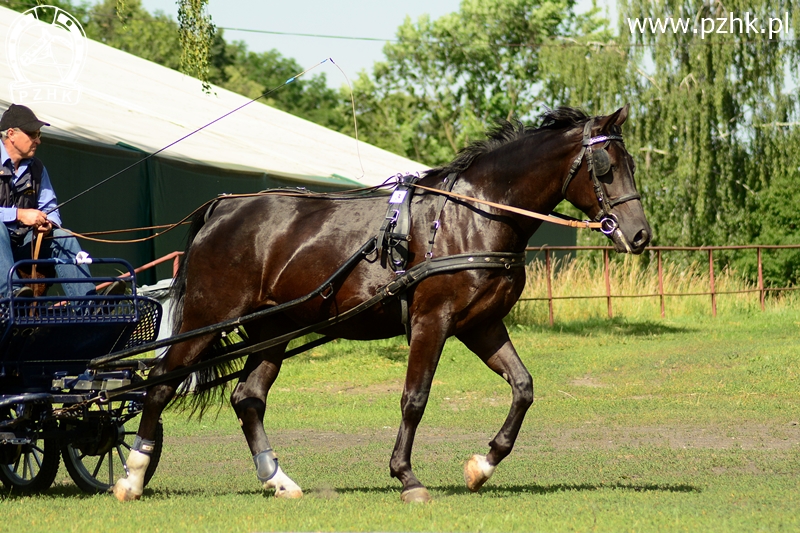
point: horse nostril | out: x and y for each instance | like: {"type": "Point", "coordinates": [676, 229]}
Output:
{"type": "Point", "coordinates": [642, 238]}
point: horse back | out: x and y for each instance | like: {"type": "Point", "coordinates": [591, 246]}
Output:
{"type": "Point", "coordinates": [269, 250]}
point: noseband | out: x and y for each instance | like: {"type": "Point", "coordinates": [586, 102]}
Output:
{"type": "Point", "coordinates": [598, 165]}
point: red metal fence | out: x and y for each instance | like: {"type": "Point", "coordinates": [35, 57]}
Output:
{"type": "Point", "coordinates": [762, 290]}
{"type": "Point", "coordinates": [659, 250]}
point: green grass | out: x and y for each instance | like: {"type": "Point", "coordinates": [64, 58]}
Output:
{"type": "Point", "coordinates": [684, 424]}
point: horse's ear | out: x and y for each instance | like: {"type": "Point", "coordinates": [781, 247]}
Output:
{"type": "Point", "coordinates": [621, 114]}
{"type": "Point", "coordinates": [615, 119]}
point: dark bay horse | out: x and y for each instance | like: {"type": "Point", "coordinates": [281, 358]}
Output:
{"type": "Point", "coordinates": [249, 254]}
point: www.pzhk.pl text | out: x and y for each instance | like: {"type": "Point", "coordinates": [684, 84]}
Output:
{"type": "Point", "coordinates": [747, 24]}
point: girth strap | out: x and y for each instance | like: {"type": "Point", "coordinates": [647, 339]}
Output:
{"type": "Point", "coordinates": [395, 231]}
{"type": "Point", "coordinates": [452, 263]}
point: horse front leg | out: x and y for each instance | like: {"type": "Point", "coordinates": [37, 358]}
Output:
{"type": "Point", "coordinates": [249, 401]}
{"type": "Point", "coordinates": [494, 348]}
{"type": "Point", "coordinates": [426, 348]}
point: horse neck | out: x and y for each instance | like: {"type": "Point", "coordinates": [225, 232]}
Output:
{"type": "Point", "coordinates": [527, 173]}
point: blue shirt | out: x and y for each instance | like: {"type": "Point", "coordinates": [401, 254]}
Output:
{"type": "Point", "coordinates": [47, 196]}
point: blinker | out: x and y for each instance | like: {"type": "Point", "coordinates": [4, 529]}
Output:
{"type": "Point", "coordinates": [602, 164]}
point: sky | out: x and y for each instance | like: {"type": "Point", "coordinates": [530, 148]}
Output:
{"type": "Point", "coordinates": [374, 19]}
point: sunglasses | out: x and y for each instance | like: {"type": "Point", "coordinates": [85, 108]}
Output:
{"type": "Point", "coordinates": [33, 135]}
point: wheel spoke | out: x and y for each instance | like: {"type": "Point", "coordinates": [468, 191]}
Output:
{"type": "Point", "coordinates": [37, 456]}
{"type": "Point", "coordinates": [110, 466]}
{"type": "Point", "coordinates": [123, 460]}
{"type": "Point", "coordinates": [99, 464]}
{"type": "Point", "coordinates": [89, 471]}
{"type": "Point", "coordinates": [28, 468]}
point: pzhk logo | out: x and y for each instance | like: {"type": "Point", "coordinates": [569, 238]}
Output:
{"type": "Point", "coordinates": [46, 49]}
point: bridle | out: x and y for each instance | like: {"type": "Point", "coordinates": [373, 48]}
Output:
{"type": "Point", "coordinates": [598, 164]}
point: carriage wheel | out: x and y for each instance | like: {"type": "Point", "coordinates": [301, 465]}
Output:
{"type": "Point", "coordinates": [97, 460]}
{"type": "Point", "coordinates": [28, 468]}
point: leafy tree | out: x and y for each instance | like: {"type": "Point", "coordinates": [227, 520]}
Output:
{"type": "Point", "coordinates": [713, 122]}
{"type": "Point", "coordinates": [699, 115]}
{"type": "Point", "coordinates": [197, 33]}
{"type": "Point", "coordinates": [454, 75]}
{"type": "Point", "coordinates": [136, 31]}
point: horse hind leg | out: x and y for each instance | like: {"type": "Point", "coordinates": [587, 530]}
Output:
{"type": "Point", "coordinates": [249, 402]}
{"type": "Point", "coordinates": [494, 348]}
{"type": "Point", "coordinates": [157, 398]}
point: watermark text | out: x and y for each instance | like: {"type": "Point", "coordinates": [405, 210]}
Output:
{"type": "Point", "coordinates": [746, 24]}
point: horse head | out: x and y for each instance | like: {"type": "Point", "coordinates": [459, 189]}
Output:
{"type": "Point", "coordinates": [601, 184]}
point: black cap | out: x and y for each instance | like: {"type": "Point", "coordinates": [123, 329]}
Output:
{"type": "Point", "coordinates": [19, 116]}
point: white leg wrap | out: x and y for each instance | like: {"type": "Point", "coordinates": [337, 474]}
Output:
{"type": "Point", "coordinates": [283, 485]}
{"type": "Point", "coordinates": [131, 487]}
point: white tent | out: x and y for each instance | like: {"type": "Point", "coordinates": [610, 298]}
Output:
{"type": "Point", "coordinates": [96, 94]}
{"type": "Point", "coordinates": [109, 109]}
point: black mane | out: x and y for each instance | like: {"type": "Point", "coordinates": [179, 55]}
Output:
{"type": "Point", "coordinates": [508, 131]}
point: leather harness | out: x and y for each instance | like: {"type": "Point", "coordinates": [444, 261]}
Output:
{"type": "Point", "coordinates": [391, 244]}
{"type": "Point", "coordinates": [598, 164]}
{"type": "Point", "coordinates": [394, 234]}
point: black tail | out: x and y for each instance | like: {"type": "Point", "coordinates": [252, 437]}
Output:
{"type": "Point", "coordinates": [201, 389]}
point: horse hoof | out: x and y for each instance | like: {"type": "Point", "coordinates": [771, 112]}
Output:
{"type": "Point", "coordinates": [477, 471]}
{"type": "Point", "coordinates": [288, 493]}
{"type": "Point", "coordinates": [417, 495]}
{"type": "Point", "coordinates": [124, 494]}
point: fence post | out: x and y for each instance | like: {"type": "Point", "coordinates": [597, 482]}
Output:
{"type": "Point", "coordinates": [660, 283]}
{"type": "Point", "coordinates": [549, 285]}
{"type": "Point", "coordinates": [711, 278]}
{"type": "Point", "coordinates": [176, 265]}
{"type": "Point", "coordinates": [760, 280]}
{"type": "Point", "coordinates": [608, 283]}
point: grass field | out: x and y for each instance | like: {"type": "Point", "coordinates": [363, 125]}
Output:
{"type": "Point", "coordinates": [685, 424]}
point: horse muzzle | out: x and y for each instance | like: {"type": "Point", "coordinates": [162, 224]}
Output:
{"type": "Point", "coordinates": [635, 246]}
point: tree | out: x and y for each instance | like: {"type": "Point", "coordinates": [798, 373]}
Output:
{"type": "Point", "coordinates": [700, 115]}
{"type": "Point", "coordinates": [136, 31]}
{"type": "Point", "coordinates": [453, 76]}
{"type": "Point", "coordinates": [197, 37]}
{"type": "Point", "coordinates": [713, 121]}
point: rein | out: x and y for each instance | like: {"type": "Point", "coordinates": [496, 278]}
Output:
{"type": "Point", "coordinates": [606, 221]}
{"type": "Point", "coordinates": [532, 214]}
{"type": "Point", "coordinates": [298, 193]}
{"type": "Point", "coordinates": [572, 223]}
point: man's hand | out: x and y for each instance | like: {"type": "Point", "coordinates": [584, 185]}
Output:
{"type": "Point", "coordinates": [45, 228]}
{"type": "Point", "coordinates": [32, 217]}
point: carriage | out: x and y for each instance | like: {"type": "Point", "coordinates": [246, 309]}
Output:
{"type": "Point", "coordinates": [52, 403]}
